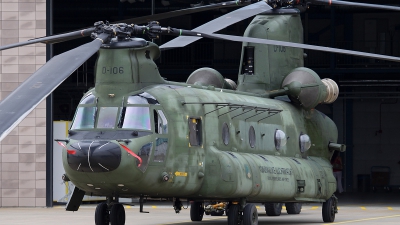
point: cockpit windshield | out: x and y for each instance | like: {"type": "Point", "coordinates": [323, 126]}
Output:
{"type": "Point", "coordinates": [135, 118]}
{"type": "Point", "coordinates": [107, 117]}
{"type": "Point", "coordinates": [84, 118]}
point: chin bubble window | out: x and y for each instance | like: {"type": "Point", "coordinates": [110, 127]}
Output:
{"type": "Point", "coordinates": [280, 139]}
{"type": "Point", "coordinates": [305, 142]}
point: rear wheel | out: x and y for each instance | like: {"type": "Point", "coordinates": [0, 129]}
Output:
{"type": "Point", "coordinates": [273, 209]}
{"type": "Point", "coordinates": [102, 214]}
{"type": "Point", "coordinates": [250, 215]}
{"type": "Point", "coordinates": [234, 217]}
{"type": "Point", "coordinates": [117, 214]}
{"type": "Point", "coordinates": [329, 210]}
{"type": "Point", "coordinates": [196, 211]}
{"type": "Point", "coordinates": [293, 207]}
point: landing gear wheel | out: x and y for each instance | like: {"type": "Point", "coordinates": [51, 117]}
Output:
{"type": "Point", "coordinates": [329, 210]}
{"type": "Point", "coordinates": [234, 217]}
{"type": "Point", "coordinates": [102, 215]}
{"type": "Point", "coordinates": [196, 211]}
{"type": "Point", "coordinates": [293, 207]}
{"type": "Point", "coordinates": [117, 215]}
{"type": "Point", "coordinates": [250, 215]}
{"type": "Point", "coordinates": [273, 209]}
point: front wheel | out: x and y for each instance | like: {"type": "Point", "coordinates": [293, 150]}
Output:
{"type": "Point", "coordinates": [102, 214]}
{"type": "Point", "coordinates": [117, 214]}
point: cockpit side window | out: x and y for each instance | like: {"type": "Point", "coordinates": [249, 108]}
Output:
{"type": "Point", "coordinates": [160, 122]}
{"type": "Point", "coordinates": [135, 118]}
{"type": "Point", "coordinates": [107, 117]}
{"type": "Point", "coordinates": [84, 118]}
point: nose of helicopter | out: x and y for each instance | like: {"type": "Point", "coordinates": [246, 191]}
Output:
{"type": "Point", "coordinates": [94, 156]}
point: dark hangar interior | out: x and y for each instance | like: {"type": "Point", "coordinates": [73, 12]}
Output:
{"type": "Point", "coordinates": [366, 112]}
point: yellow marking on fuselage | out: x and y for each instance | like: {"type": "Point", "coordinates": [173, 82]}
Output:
{"type": "Point", "coordinates": [354, 221]}
{"type": "Point", "coordinates": [180, 174]}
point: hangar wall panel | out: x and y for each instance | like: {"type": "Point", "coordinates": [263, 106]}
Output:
{"type": "Point", "coordinates": [23, 151]}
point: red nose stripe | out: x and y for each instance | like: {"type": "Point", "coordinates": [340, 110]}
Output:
{"type": "Point", "coordinates": [132, 153]}
{"type": "Point", "coordinates": [61, 144]}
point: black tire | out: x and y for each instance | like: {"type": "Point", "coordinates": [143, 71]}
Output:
{"type": "Point", "coordinates": [293, 207]}
{"type": "Point", "coordinates": [250, 215]}
{"type": "Point", "coordinates": [328, 210]}
{"type": "Point", "coordinates": [234, 217]}
{"type": "Point", "coordinates": [273, 209]}
{"type": "Point", "coordinates": [196, 211]}
{"type": "Point", "coordinates": [102, 215]}
{"type": "Point", "coordinates": [117, 214]}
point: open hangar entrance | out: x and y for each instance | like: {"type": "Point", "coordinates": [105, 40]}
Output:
{"type": "Point", "coordinates": [366, 112]}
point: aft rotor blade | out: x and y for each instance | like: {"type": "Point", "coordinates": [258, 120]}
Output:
{"type": "Point", "coordinates": [39, 85]}
{"type": "Point", "coordinates": [220, 23]}
{"type": "Point", "coordinates": [173, 31]}
{"type": "Point", "coordinates": [52, 39]}
{"type": "Point", "coordinates": [166, 15]}
{"type": "Point", "coordinates": [357, 4]}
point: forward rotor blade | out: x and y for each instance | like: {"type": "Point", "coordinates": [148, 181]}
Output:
{"type": "Point", "coordinates": [281, 43]}
{"type": "Point", "coordinates": [160, 16]}
{"type": "Point", "coordinates": [220, 23]}
{"type": "Point", "coordinates": [39, 85]}
{"type": "Point", "coordinates": [361, 5]}
{"type": "Point", "coordinates": [52, 39]}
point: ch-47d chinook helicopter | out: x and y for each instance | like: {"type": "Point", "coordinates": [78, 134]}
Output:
{"type": "Point", "coordinates": [137, 135]}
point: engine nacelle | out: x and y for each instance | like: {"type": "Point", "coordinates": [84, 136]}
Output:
{"type": "Point", "coordinates": [308, 90]}
{"type": "Point", "coordinates": [210, 77]}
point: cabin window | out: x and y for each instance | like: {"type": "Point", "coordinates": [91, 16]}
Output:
{"type": "Point", "coordinates": [225, 134]}
{"type": "Point", "coordinates": [107, 117]}
{"type": "Point", "coordinates": [305, 142]}
{"type": "Point", "coordinates": [161, 149]}
{"type": "Point", "coordinates": [84, 118]}
{"type": "Point", "coordinates": [89, 99]}
{"type": "Point", "coordinates": [143, 98]}
{"type": "Point", "coordinates": [252, 137]}
{"type": "Point", "coordinates": [280, 139]}
{"type": "Point", "coordinates": [144, 153]}
{"type": "Point", "coordinates": [195, 132]}
{"type": "Point", "coordinates": [160, 122]}
{"type": "Point", "coordinates": [135, 118]}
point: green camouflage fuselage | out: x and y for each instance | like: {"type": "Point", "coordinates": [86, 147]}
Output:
{"type": "Point", "coordinates": [213, 143]}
